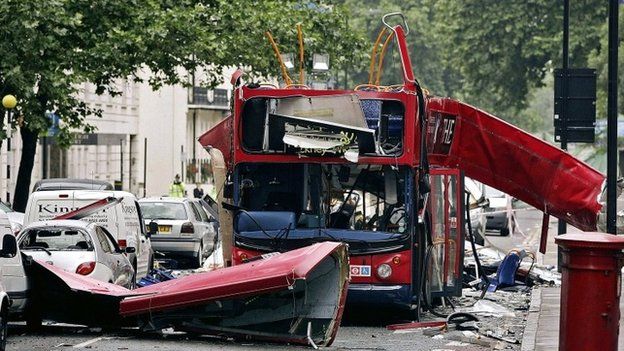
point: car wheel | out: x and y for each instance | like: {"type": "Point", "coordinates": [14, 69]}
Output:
{"type": "Point", "coordinates": [478, 238]}
{"type": "Point", "coordinates": [133, 280]}
{"type": "Point", "coordinates": [504, 231]}
{"type": "Point", "coordinates": [200, 256]}
{"type": "Point", "coordinates": [4, 317]}
{"type": "Point", "coordinates": [134, 274]}
{"type": "Point", "coordinates": [150, 264]}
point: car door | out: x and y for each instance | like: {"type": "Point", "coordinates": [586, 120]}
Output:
{"type": "Point", "coordinates": [201, 220]}
{"type": "Point", "coordinates": [107, 256]}
{"type": "Point", "coordinates": [14, 276]}
{"type": "Point", "coordinates": [144, 248]}
{"type": "Point", "coordinates": [124, 272]}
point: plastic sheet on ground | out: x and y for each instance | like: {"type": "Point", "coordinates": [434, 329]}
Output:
{"type": "Point", "coordinates": [489, 308]}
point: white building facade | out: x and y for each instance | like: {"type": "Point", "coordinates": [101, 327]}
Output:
{"type": "Point", "coordinates": [142, 141]}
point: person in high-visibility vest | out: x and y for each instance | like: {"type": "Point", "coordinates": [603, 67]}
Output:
{"type": "Point", "coordinates": [176, 188]}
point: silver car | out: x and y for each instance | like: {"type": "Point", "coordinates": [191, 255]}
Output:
{"type": "Point", "coordinates": [79, 247]}
{"type": "Point", "coordinates": [184, 228]}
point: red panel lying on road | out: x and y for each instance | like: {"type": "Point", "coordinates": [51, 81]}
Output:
{"type": "Point", "coordinates": [77, 282]}
{"type": "Point", "coordinates": [498, 154]}
{"type": "Point", "coordinates": [294, 297]}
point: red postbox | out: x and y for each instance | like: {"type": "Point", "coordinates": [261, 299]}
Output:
{"type": "Point", "coordinates": [590, 291]}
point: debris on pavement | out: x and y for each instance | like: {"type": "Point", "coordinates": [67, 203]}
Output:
{"type": "Point", "coordinates": [155, 276]}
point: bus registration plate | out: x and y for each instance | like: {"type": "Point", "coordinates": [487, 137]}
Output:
{"type": "Point", "coordinates": [360, 271]}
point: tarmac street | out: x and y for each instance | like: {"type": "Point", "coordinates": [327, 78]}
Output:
{"type": "Point", "coordinates": [536, 325]}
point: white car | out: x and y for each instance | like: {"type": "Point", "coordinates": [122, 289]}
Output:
{"type": "Point", "coordinates": [15, 218]}
{"type": "Point", "coordinates": [123, 220]}
{"type": "Point", "coordinates": [78, 247]}
{"type": "Point", "coordinates": [4, 316]}
{"type": "Point", "coordinates": [184, 228]}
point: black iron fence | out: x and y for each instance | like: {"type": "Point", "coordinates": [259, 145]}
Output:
{"type": "Point", "coordinates": [198, 170]}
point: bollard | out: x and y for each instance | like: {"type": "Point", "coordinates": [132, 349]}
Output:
{"type": "Point", "coordinates": [590, 291]}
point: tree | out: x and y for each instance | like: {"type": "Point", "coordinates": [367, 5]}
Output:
{"type": "Point", "coordinates": [492, 54]}
{"type": "Point", "coordinates": [598, 58]}
{"type": "Point", "coordinates": [50, 48]}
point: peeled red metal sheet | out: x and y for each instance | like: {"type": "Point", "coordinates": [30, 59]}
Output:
{"type": "Point", "coordinates": [498, 154]}
{"type": "Point", "coordinates": [255, 277]}
{"type": "Point", "coordinates": [220, 137]}
{"type": "Point", "coordinates": [78, 282]}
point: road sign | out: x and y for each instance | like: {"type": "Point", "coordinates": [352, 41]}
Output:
{"type": "Point", "coordinates": [575, 105]}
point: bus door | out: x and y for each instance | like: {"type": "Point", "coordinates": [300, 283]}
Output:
{"type": "Point", "coordinates": [445, 264]}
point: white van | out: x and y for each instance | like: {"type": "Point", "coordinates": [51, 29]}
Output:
{"type": "Point", "coordinates": [123, 220]}
{"type": "Point", "coordinates": [12, 271]}
{"type": "Point", "coordinates": [6, 253]}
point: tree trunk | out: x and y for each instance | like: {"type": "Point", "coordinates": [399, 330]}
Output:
{"type": "Point", "coordinates": [22, 187]}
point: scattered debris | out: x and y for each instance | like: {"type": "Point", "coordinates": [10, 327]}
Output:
{"type": "Point", "coordinates": [489, 308]}
{"type": "Point", "coordinates": [156, 275]}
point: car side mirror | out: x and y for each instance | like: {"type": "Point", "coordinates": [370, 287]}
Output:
{"type": "Point", "coordinates": [9, 246]}
{"type": "Point", "coordinates": [130, 250]}
{"type": "Point", "coordinates": [152, 228]}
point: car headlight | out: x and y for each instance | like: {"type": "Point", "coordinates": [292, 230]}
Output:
{"type": "Point", "coordinates": [384, 271]}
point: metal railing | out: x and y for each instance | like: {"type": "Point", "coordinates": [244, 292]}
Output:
{"type": "Point", "coordinates": [209, 97]}
{"type": "Point", "coordinates": [198, 170]}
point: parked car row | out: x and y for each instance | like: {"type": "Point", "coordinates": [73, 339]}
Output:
{"type": "Point", "coordinates": [488, 211]}
{"type": "Point", "coordinates": [86, 228]}
{"type": "Point", "coordinates": [184, 227]}
{"type": "Point", "coordinates": [78, 246]}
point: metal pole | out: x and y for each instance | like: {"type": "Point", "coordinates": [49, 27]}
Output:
{"type": "Point", "coordinates": [9, 157]}
{"type": "Point", "coordinates": [130, 163]}
{"type": "Point", "coordinates": [194, 153]}
{"type": "Point", "coordinates": [121, 162]}
{"type": "Point", "coordinates": [145, 168]}
{"type": "Point", "coordinates": [182, 162]}
{"type": "Point", "coordinates": [561, 227]}
{"type": "Point", "coordinates": [44, 158]}
{"type": "Point", "coordinates": [612, 118]}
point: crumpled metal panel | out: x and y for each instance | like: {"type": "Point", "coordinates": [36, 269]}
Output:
{"type": "Point", "coordinates": [293, 297]}
{"type": "Point", "coordinates": [220, 137]}
{"type": "Point", "coordinates": [78, 282]}
{"type": "Point", "coordinates": [498, 154]}
{"type": "Point", "coordinates": [243, 280]}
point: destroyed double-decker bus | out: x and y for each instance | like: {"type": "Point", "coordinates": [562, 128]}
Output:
{"type": "Point", "coordinates": [379, 168]}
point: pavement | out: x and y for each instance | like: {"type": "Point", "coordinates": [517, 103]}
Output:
{"type": "Point", "coordinates": [542, 327]}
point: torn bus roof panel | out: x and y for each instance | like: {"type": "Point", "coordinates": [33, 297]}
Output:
{"type": "Point", "coordinates": [296, 297]}
{"type": "Point", "coordinates": [220, 137]}
{"type": "Point", "coordinates": [498, 154]}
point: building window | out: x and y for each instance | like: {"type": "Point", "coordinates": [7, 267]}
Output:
{"type": "Point", "coordinates": [216, 97]}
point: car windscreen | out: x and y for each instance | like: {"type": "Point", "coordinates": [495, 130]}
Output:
{"type": "Point", "coordinates": [55, 238]}
{"type": "Point", "coordinates": [163, 210]}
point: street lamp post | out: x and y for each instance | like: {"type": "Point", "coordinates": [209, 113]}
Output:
{"type": "Point", "coordinates": [9, 102]}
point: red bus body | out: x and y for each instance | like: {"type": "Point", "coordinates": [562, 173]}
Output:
{"type": "Point", "coordinates": [460, 140]}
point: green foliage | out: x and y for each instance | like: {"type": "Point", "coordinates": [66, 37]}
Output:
{"type": "Point", "coordinates": [50, 48]}
{"type": "Point", "coordinates": [598, 58]}
{"type": "Point", "coordinates": [490, 53]}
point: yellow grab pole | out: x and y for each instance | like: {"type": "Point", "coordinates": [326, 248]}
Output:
{"type": "Point", "coordinates": [279, 58]}
{"type": "Point", "coordinates": [371, 71]}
